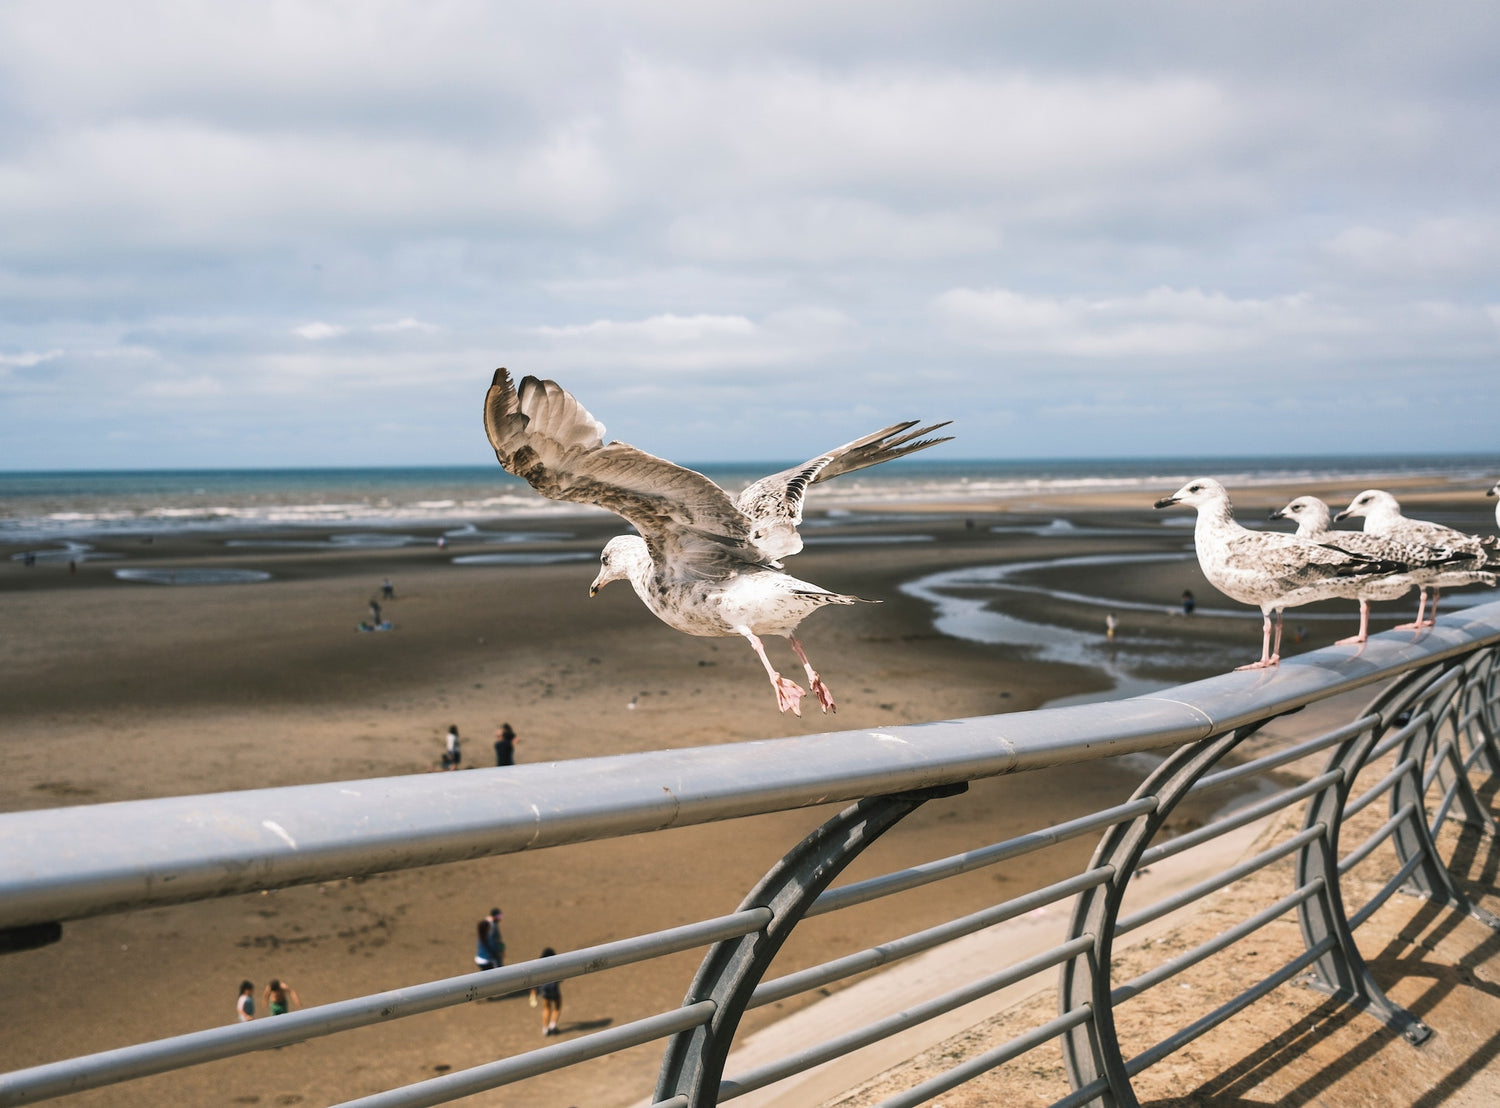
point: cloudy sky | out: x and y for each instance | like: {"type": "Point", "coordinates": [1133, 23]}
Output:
{"type": "Point", "coordinates": [305, 233]}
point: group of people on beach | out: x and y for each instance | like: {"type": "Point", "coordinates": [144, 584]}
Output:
{"type": "Point", "coordinates": [505, 747]}
{"type": "Point", "coordinates": [489, 953]}
{"type": "Point", "coordinates": [279, 998]}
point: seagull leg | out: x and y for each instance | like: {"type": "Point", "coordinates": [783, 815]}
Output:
{"type": "Point", "coordinates": [788, 693]}
{"type": "Point", "coordinates": [1421, 613]}
{"type": "Point", "coordinates": [825, 698]}
{"type": "Point", "coordinates": [1268, 658]}
{"type": "Point", "coordinates": [1364, 625]}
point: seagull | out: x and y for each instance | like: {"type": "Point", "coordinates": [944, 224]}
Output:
{"type": "Point", "coordinates": [1314, 521]}
{"type": "Point", "coordinates": [1495, 491]}
{"type": "Point", "coordinates": [1271, 570]}
{"type": "Point", "coordinates": [704, 562]}
{"type": "Point", "coordinates": [1382, 515]}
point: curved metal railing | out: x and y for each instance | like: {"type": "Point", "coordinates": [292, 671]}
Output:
{"type": "Point", "coordinates": [1428, 736]}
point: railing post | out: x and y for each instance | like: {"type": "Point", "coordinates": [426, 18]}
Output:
{"type": "Point", "coordinates": [1413, 839]}
{"type": "Point", "coordinates": [1341, 971]}
{"type": "Point", "coordinates": [694, 1061]}
{"type": "Point", "coordinates": [1092, 1050]}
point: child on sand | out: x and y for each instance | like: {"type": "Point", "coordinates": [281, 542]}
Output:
{"type": "Point", "coordinates": [245, 1006]}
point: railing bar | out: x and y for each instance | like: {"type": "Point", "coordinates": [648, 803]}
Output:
{"type": "Point", "coordinates": [793, 983]}
{"type": "Point", "coordinates": [451, 1086]}
{"type": "Point", "coordinates": [1174, 966]}
{"type": "Point", "coordinates": [1400, 735]}
{"type": "Point", "coordinates": [1083, 1094]}
{"type": "Point", "coordinates": [1378, 836]}
{"type": "Point", "coordinates": [125, 1063]}
{"type": "Point", "coordinates": [679, 1101]}
{"type": "Point", "coordinates": [1440, 813]}
{"type": "Point", "coordinates": [1384, 893]}
{"type": "Point", "coordinates": [884, 1028]}
{"type": "Point", "coordinates": [917, 876]}
{"type": "Point", "coordinates": [1435, 767]}
{"type": "Point", "coordinates": [1357, 805]}
{"type": "Point", "coordinates": [990, 1059]}
{"type": "Point", "coordinates": [1228, 877]}
{"type": "Point", "coordinates": [1148, 1058]}
{"type": "Point", "coordinates": [1238, 819]}
{"type": "Point", "coordinates": [1474, 756]}
{"type": "Point", "coordinates": [1291, 754]}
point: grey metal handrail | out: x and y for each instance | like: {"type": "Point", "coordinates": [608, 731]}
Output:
{"type": "Point", "coordinates": [1431, 727]}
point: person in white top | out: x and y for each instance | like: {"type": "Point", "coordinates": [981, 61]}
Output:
{"type": "Point", "coordinates": [245, 1006]}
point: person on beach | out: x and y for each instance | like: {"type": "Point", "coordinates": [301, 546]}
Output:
{"type": "Point", "coordinates": [245, 1007]}
{"type": "Point", "coordinates": [489, 952]}
{"type": "Point", "coordinates": [550, 995]}
{"type": "Point", "coordinates": [280, 997]}
{"type": "Point", "coordinates": [505, 746]}
{"type": "Point", "coordinates": [453, 753]}
{"type": "Point", "coordinates": [1110, 625]}
{"type": "Point", "coordinates": [387, 590]}
{"type": "Point", "coordinates": [375, 612]}
{"type": "Point", "coordinates": [1188, 602]}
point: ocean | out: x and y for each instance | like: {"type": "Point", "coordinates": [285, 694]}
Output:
{"type": "Point", "coordinates": [41, 506]}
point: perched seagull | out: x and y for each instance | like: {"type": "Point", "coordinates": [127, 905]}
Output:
{"type": "Point", "coordinates": [704, 562]}
{"type": "Point", "coordinates": [1382, 515]}
{"type": "Point", "coordinates": [1271, 570]}
{"type": "Point", "coordinates": [1314, 520]}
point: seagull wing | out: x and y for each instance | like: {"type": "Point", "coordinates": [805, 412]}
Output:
{"type": "Point", "coordinates": [774, 503]}
{"type": "Point", "coordinates": [1293, 562]}
{"type": "Point", "coordinates": [543, 435]}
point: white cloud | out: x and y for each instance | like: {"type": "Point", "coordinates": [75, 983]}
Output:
{"type": "Point", "coordinates": [1452, 247]}
{"type": "Point", "coordinates": [700, 342]}
{"type": "Point", "coordinates": [945, 131]}
{"type": "Point", "coordinates": [820, 230]}
{"type": "Point", "coordinates": [317, 332]}
{"type": "Point", "coordinates": [406, 323]}
{"type": "Point", "coordinates": [1163, 322]}
{"type": "Point", "coordinates": [28, 358]}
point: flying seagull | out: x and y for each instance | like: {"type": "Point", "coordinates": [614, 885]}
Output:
{"type": "Point", "coordinates": [1382, 515]}
{"type": "Point", "coordinates": [704, 562]}
{"type": "Point", "coordinates": [1314, 520]}
{"type": "Point", "coordinates": [1271, 570]}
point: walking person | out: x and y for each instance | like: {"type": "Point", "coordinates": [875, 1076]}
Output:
{"type": "Point", "coordinates": [453, 752]}
{"type": "Point", "coordinates": [550, 995]}
{"type": "Point", "coordinates": [505, 746]}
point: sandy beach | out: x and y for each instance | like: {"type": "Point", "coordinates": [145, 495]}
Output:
{"type": "Point", "coordinates": [118, 690]}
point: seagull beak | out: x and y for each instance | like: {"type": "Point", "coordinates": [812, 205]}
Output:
{"type": "Point", "coordinates": [1166, 502]}
{"type": "Point", "coordinates": [593, 590]}
{"type": "Point", "coordinates": [1276, 513]}
{"type": "Point", "coordinates": [1342, 515]}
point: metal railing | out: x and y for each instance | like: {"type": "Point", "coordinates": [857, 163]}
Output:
{"type": "Point", "coordinates": [1430, 733]}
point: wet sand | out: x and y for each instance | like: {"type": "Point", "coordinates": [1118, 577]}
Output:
{"type": "Point", "coordinates": [116, 690]}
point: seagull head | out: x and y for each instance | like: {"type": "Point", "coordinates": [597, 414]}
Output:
{"type": "Point", "coordinates": [1196, 493]}
{"type": "Point", "coordinates": [1310, 514]}
{"type": "Point", "coordinates": [1371, 502]}
{"type": "Point", "coordinates": [615, 560]}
